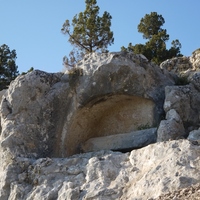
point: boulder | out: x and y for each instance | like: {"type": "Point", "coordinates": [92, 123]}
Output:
{"type": "Point", "coordinates": [182, 68]}
{"type": "Point", "coordinates": [185, 100]}
{"type": "Point", "coordinates": [172, 128]}
{"type": "Point", "coordinates": [184, 95]}
{"type": "Point", "coordinates": [178, 66]}
{"type": "Point", "coordinates": [121, 142]}
{"type": "Point", "coordinates": [194, 136]}
{"type": "Point", "coordinates": [195, 80]}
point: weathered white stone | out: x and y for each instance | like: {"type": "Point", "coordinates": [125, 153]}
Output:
{"type": "Point", "coordinates": [185, 100]}
{"type": "Point", "coordinates": [195, 80]}
{"type": "Point", "coordinates": [195, 59]}
{"type": "Point", "coordinates": [163, 167]}
{"type": "Point", "coordinates": [182, 68]}
{"type": "Point", "coordinates": [144, 173]}
{"type": "Point", "coordinates": [172, 128]}
{"type": "Point", "coordinates": [105, 94]}
{"type": "Point", "coordinates": [2, 92]}
{"type": "Point", "coordinates": [61, 111]}
{"type": "Point", "coordinates": [178, 65]}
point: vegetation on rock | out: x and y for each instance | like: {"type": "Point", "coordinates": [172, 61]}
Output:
{"type": "Point", "coordinates": [30, 70]}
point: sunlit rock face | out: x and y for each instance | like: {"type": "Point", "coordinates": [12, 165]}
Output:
{"type": "Point", "coordinates": [53, 114]}
{"type": "Point", "coordinates": [48, 120]}
{"type": "Point", "coordinates": [183, 67]}
{"type": "Point", "coordinates": [111, 115]}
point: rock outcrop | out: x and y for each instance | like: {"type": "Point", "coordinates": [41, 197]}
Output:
{"type": "Point", "coordinates": [106, 94]}
{"type": "Point", "coordinates": [183, 67]}
{"type": "Point", "coordinates": [48, 120]}
{"type": "Point", "coordinates": [172, 128]}
{"type": "Point", "coordinates": [142, 174]}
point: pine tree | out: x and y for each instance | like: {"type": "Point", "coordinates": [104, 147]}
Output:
{"type": "Point", "coordinates": [155, 48]}
{"type": "Point", "coordinates": [90, 33]}
{"type": "Point", "coordinates": [8, 67]}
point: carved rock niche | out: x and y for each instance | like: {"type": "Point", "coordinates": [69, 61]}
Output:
{"type": "Point", "coordinates": [105, 116]}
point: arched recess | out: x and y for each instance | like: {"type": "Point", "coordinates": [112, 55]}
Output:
{"type": "Point", "coordinates": [107, 116]}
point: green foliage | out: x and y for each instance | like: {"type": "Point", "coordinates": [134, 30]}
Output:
{"type": "Point", "coordinates": [30, 70]}
{"type": "Point", "coordinates": [8, 67]}
{"type": "Point", "coordinates": [90, 32]}
{"type": "Point", "coordinates": [155, 48]}
{"type": "Point", "coordinates": [151, 24]}
{"type": "Point", "coordinates": [182, 80]}
{"type": "Point", "coordinates": [144, 126]}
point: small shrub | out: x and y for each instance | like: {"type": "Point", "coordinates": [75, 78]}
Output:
{"type": "Point", "coordinates": [182, 80]}
{"type": "Point", "coordinates": [196, 51]}
{"type": "Point", "coordinates": [144, 126]}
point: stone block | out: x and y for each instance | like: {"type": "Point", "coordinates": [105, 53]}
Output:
{"type": "Point", "coordinates": [194, 136]}
{"type": "Point", "coordinates": [121, 142]}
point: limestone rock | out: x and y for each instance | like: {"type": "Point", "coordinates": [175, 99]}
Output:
{"type": "Point", "coordinates": [178, 65]}
{"type": "Point", "coordinates": [166, 159]}
{"type": "Point", "coordinates": [194, 136]}
{"type": "Point", "coordinates": [121, 142]}
{"type": "Point", "coordinates": [195, 59]}
{"type": "Point", "coordinates": [185, 101]}
{"type": "Point", "coordinates": [192, 192]}
{"type": "Point", "coordinates": [195, 80]}
{"type": "Point", "coordinates": [45, 118]}
{"type": "Point", "coordinates": [172, 128]}
{"type": "Point", "coordinates": [144, 173]}
{"type": "Point", "coordinates": [105, 94]}
{"type": "Point", "coordinates": [2, 92]}
{"type": "Point", "coordinates": [184, 97]}
{"type": "Point", "coordinates": [183, 66]}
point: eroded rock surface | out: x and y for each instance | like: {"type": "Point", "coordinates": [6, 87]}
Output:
{"type": "Point", "coordinates": [106, 94]}
{"type": "Point", "coordinates": [183, 66]}
{"type": "Point", "coordinates": [172, 128]}
{"type": "Point", "coordinates": [142, 174]}
{"type": "Point", "coordinates": [123, 142]}
{"type": "Point", "coordinates": [46, 119]}
{"type": "Point", "coordinates": [184, 97]}
{"type": "Point", "coordinates": [192, 192]}
{"type": "Point", "coordinates": [194, 136]}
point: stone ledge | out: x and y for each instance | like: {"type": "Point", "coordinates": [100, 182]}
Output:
{"type": "Point", "coordinates": [132, 140]}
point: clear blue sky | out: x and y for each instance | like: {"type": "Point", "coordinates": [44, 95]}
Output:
{"type": "Point", "coordinates": [32, 27]}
